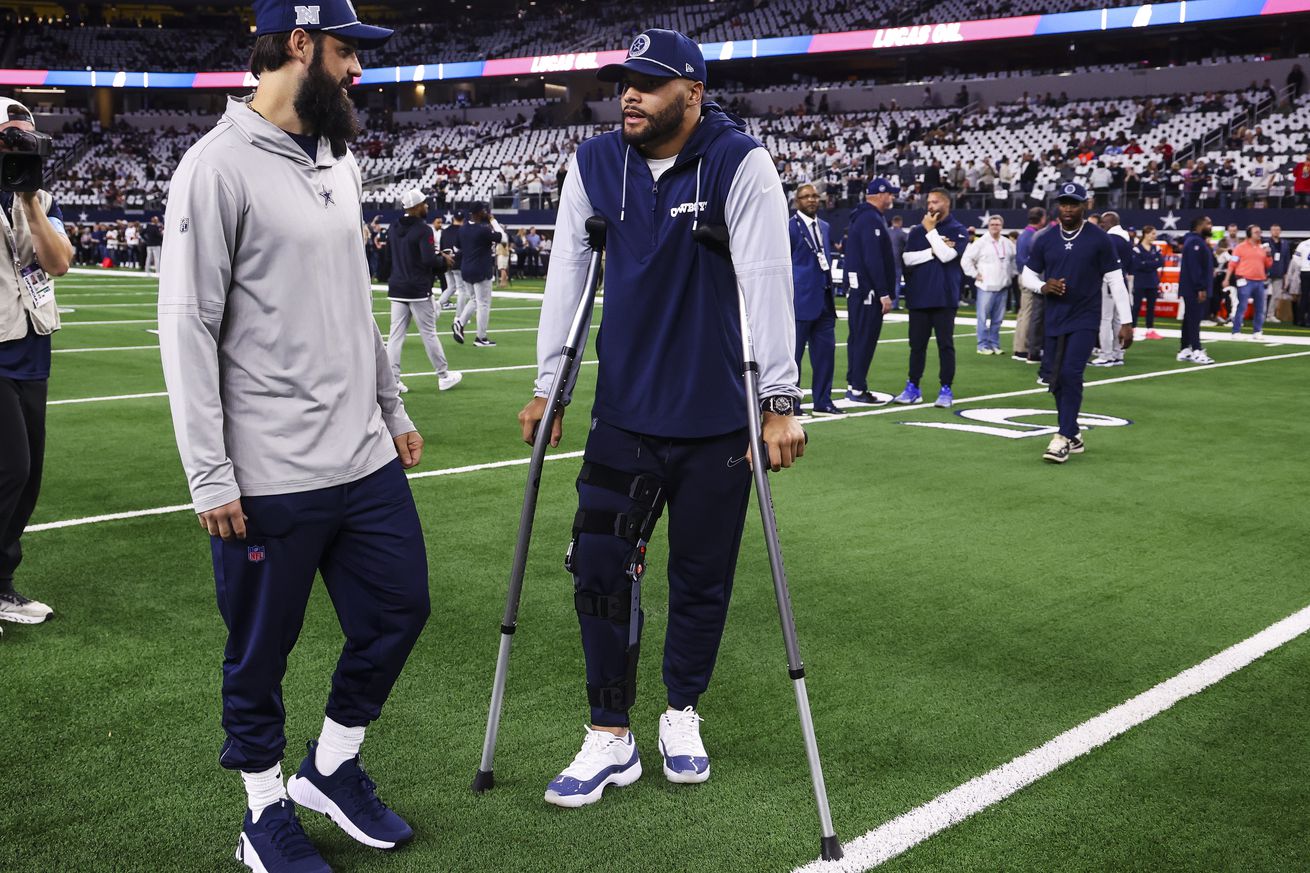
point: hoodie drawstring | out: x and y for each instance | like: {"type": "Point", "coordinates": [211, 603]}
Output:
{"type": "Point", "coordinates": [624, 205]}
{"type": "Point", "coordinates": [695, 221]}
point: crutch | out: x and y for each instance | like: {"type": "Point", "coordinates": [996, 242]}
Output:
{"type": "Point", "coordinates": [830, 846]}
{"type": "Point", "coordinates": [564, 372]}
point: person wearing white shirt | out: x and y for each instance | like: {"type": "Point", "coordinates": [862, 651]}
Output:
{"type": "Point", "coordinates": [990, 262]}
{"type": "Point", "coordinates": [1299, 272]}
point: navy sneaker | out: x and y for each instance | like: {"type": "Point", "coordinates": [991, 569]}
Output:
{"type": "Point", "coordinates": [457, 331]}
{"type": "Point", "coordinates": [350, 799]}
{"type": "Point", "coordinates": [860, 396]}
{"type": "Point", "coordinates": [830, 409]}
{"type": "Point", "coordinates": [911, 394]}
{"type": "Point", "coordinates": [277, 844]}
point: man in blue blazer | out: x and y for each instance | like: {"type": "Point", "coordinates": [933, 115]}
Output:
{"type": "Point", "coordinates": [816, 312]}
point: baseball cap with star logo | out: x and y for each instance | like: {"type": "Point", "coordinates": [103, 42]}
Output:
{"type": "Point", "coordinates": [665, 54]}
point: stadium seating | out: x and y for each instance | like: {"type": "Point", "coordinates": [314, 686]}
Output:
{"type": "Point", "coordinates": [534, 30]}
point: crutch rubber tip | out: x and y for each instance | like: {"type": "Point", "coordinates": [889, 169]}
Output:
{"type": "Point", "coordinates": [830, 849]}
{"type": "Point", "coordinates": [486, 780]}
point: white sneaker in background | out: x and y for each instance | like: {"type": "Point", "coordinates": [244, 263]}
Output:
{"type": "Point", "coordinates": [449, 380]}
{"type": "Point", "coordinates": [22, 610]}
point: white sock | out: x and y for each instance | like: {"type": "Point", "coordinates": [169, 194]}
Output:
{"type": "Point", "coordinates": [337, 744]}
{"type": "Point", "coordinates": [263, 789]}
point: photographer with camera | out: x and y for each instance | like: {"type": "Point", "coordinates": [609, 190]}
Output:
{"type": "Point", "coordinates": [37, 250]}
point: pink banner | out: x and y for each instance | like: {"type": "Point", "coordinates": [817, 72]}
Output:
{"type": "Point", "coordinates": [930, 34]}
{"type": "Point", "coordinates": [1282, 7]}
{"type": "Point", "coordinates": [22, 77]}
{"type": "Point", "coordinates": [552, 63]}
{"type": "Point", "coordinates": [221, 80]}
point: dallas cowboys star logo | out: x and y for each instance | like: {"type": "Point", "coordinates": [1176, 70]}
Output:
{"type": "Point", "coordinates": [327, 198]}
{"type": "Point", "coordinates": [1068, 247]}
{"type": "Point", "coordinates": [1170, 221]}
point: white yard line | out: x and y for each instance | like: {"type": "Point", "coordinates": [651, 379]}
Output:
{"type": "Point", "coordinates": [884, 410]}
{"type": "Point", "coordinates": [105, 399]}
{"type": "Point", "coordinates": [184, 507]}
{"type": "Point", "coordinates": [104, 349]}
{"type": "Point", "coordinates": [76, 400]}
{"type": "Point", "coordinates": [946, 810]}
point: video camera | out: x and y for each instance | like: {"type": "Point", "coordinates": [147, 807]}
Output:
{"type": "Point", "coordinates": [23, 155]}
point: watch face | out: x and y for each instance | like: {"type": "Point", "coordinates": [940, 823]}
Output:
{"type": "Point", "coordinates": [781, 405]}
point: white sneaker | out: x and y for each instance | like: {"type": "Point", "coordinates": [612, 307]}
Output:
{"type": "Point", "coordinates": [1258, 336]}
{"type": "Point", "coordinates": [1057, 451]}
{"type": "Point", "coordinates": [21, 610]}
{"type": "Point", "coordinates": [685, 758]}
{"type": "Point", "coordinates": [1185, 355]}
{"type": "Point", "coordinates": [449, 380]}
{"type": "Point", "coordinates": [1200, 357]}
{"type": "Point", "coordinates": [604, 760]}
{"type": "Point", "coordinates": [404, 389]}
{"type": "Point", "coordinates": [1209, 322]}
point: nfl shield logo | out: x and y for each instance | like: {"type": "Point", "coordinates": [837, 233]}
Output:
{"type": "Point", "coordinates": [255, 554]}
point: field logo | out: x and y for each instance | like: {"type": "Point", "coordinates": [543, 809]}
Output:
{"type": "Point", "coordinates": [306, 15]}
{"type": "Point", "coordinates": [1004, 422]}
{"type": "Point", "coordinates": [639, 46]}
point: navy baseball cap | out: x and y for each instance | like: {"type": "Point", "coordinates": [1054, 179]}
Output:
{"type": "Point", "coordinates": [666, 54]}
{"type": "Point", "coordinates": [335, 17]}
{"type": "Point", "coordinates": [1072, 191]}
{"type": "Point", "coordinates": [881, 186]}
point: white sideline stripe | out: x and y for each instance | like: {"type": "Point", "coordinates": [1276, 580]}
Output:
{"type": "Point", "coordinates": [522, 461]}
{"type": "Point", "coordinates": [114, 516]}
{"type": "Point", "coordinates": [125, 321]}
{"type": "Point", "coordinates": [167, 510]}
{"type": "Point", "coordinates": [103, 399]}
{"type": "Point", "coordinates": [164, 393]}
{"type": "Point", "coordinates": [946, 810]}
{"type": "Point", "coordinates": [104, 349]}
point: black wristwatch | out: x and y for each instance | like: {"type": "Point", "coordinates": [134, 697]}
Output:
{"type": "Point", "coordinates": [779, 404]}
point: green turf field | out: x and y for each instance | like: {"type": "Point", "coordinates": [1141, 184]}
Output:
{"type": "Point", "coordinates": [958, 601]}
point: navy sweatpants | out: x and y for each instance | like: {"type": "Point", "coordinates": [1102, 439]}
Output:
{"type": "Point", "coordinates": [365, 538]}
{"type": "Point", "coordinates": [821, 336]}
{"type": "Point", "coordinates": [1068, 354]}
{"type": "Point", "coordinates": [864, 325]}
{"type": "Point", "coordinates": [707, 485]}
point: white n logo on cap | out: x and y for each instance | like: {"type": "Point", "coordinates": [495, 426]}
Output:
{"type": "Point", "coordinates": [689, 69]}
{"type": "Point", "coordinates": [306, 15]}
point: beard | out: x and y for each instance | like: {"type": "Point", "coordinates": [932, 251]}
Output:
{"type": "Point", "coordinates": [660, 125]}
{"type": "Point", "coordinates": [325, 109]}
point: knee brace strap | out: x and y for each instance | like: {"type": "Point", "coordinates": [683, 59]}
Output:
{"type": "Point", "coordinates": [615, 607]}
{"type": "Point", "coordinates": [617, 695]}
{"type": "Point", "coordinates": [643, 488]}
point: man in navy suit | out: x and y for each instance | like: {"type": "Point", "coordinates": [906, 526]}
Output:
{"type": "Point", "coordinates": [871, 278]}
{"type": "Point", "coordinates": [816, 312]}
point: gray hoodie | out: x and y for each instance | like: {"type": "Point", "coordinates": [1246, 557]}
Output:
{"type": "Point", "coordinates": [276, 372]}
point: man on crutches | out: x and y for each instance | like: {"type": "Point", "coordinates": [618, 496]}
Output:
{"type": "Point", "coordinates": [669, 426]}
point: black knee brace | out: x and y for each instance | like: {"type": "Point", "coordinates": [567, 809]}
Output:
{"type": "Point", "coordinates": [634, 526]}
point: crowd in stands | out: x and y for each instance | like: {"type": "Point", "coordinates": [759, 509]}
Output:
{"type": "Point", "coordinates": [1216, 150]}
{"type": "Point", "coordinates": [529, 28]}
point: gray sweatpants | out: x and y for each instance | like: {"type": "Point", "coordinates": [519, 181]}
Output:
{"type": "Point", "coordinates": [454, 286]}
{"type": "Point", "coordinates": [479, 295]}
{"type": "Point", "coordinates": [1036, 325]}
{"type": "Point", "coordinates": [1109, 344]}
{"type": "Point", "coordinates": [424, 314]}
